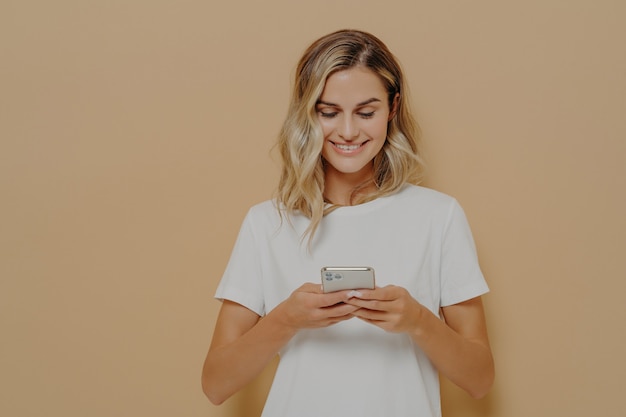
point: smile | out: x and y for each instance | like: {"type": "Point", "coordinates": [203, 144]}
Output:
{"type": "Point", "coordinates": [348, 148]}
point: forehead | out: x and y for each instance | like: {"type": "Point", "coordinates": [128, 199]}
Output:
{"type": "Point", "coordinates": [356, 84]}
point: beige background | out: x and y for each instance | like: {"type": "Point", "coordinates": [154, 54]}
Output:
{"type": "Point", "coordinates": [134, 135]}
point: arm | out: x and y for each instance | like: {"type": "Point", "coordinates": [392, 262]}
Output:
{"type": "Point", "coordinates": [243, 343]}
{"type": "Point", "coordinates": [458, 347]}
{"type": "Point", "coordinates": [241, 347]}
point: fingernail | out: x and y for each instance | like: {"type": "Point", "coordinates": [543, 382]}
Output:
{"type": "Point", "coordinates": [353, 293]}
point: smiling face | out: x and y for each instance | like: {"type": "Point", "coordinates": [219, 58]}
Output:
{"type": "Point", "coordinates": [353, 111]}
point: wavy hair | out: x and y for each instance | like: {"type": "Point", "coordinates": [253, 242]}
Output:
{"type": "Point", "coordinates": [300, 142]}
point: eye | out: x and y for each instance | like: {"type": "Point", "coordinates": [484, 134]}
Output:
{"type": "Point", "coordinates": [367, 115]}
{"type": "Point", "coordinates": [328, 115]}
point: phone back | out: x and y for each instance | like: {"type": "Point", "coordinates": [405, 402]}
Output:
{"type": "Point", "coordinates": [347, 278]}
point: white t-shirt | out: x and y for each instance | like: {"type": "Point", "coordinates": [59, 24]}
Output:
{"type": "Point", "coordinates": [417, 238]}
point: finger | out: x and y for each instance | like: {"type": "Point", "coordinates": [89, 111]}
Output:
{"type": "Point", "coordinates": [340, 310]}
{"type": "Point", "coordinates": [374, 305]}
{"type": "Point", "coordinates": [335, 320]}
{"type": "Point", "coordinates": [310, 287]}
{"type": "Point", "coordinates": [318, 289]}
{"type": "Point", "coordinates": [332, 298]}
{"type": "Point", "coordinates": [370, 315]}
{"type": "Point", "coordinates": [387, 293]}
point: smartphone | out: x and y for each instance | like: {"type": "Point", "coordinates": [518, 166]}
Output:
{"type": "Point", "coordinates": [336, 278]}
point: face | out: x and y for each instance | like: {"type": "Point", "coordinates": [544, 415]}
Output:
{"type": "Point", "coordinates": [353, 111]}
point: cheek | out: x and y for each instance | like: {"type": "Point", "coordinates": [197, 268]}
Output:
{"type": "Point", "coordinates": [327, 127]}
{"type": "Point", "coordinates": [380, 130]}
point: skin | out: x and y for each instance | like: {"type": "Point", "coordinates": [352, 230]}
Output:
{"type": "Point", "coordinates": [353, 110]}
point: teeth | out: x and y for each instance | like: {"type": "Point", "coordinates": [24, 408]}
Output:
{"type": "Point", "coordinates": [348, 147]}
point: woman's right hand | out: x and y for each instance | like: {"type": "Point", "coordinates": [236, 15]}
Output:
{"type": "Point", "coordinates": [243, 344]}
{"type": "Point", "coordinates": [308, 307]}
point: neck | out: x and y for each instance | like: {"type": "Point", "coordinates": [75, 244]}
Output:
{"type": "Point", "coordinates": [339, 187]}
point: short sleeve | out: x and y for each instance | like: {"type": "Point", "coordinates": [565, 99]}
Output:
{"type": "Point", "coordinates": [461, 276]}
{"type": "Point", "coordinates": [242, 279]}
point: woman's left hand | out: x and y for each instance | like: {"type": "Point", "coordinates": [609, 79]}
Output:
{"type": "Point", "coordinates": [458, 346]}
{"type": "Point", "coordinates": [391, 308]}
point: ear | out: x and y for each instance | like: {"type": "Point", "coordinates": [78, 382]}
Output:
{"type": "Point", "coordinates": [394, 107]}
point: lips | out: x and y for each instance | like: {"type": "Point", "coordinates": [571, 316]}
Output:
{"type": "Point", "coordinates": [348, 148]}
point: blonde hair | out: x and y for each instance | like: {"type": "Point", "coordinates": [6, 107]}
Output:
{"type": "Point", "coordinates": [301, 185]}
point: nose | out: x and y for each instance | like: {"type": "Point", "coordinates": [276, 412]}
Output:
{"type": "Point", "coordinates": [348, 129]}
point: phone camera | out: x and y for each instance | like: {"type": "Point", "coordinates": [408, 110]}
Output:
{"type": "Point", "coordinates": [330, 276]}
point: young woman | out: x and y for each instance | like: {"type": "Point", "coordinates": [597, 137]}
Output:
{"type": "Point", "coordinates": [347, 196]}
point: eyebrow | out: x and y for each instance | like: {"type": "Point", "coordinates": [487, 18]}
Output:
{"type": "Point", "coordinates": [361, 104]}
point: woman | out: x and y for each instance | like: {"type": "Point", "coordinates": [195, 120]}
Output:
{"type": "Point", "coordinates": [347, 197]}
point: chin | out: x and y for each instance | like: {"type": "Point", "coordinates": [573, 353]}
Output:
{"type": "Point", "coordinates": [352, 170]}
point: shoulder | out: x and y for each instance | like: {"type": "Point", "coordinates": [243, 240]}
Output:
{"type": "Point", "coordinates": [424, 197]}
{"type": "Point", "coordinates": [263, 212]}
{"type": "Point", "coordinates": [263, 208]}
{"type": "Point", "coordinates": [423, 204]}
{"type": "Point", "coordinates": [266, 216]}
